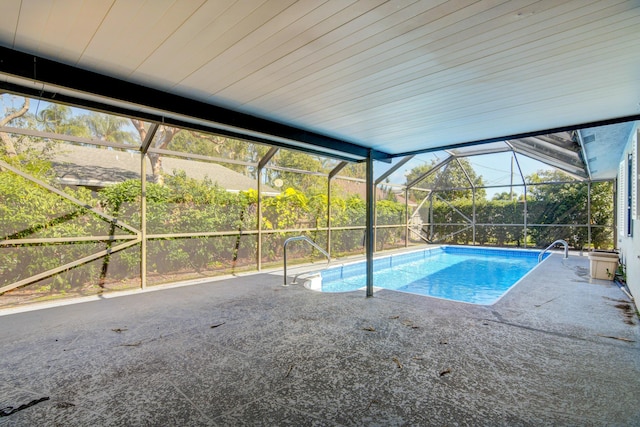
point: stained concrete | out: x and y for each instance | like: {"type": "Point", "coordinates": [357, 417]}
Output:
{"type": "Point", "coordinates": [247, 351]}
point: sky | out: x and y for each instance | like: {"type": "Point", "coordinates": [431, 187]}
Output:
{"type": "Point", "coordinates": [495, 169]}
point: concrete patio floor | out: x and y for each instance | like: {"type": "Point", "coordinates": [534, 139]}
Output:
{"type": "Point", "coordinates": [247, 351]}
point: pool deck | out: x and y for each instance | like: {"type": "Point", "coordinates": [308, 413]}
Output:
{"type": "Point", "coordinates": [558, 349]}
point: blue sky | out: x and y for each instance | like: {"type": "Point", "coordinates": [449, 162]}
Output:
{"type": "Point", "coordinates": [495, 169]}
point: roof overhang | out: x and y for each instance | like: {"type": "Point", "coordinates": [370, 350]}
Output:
{"type": "Point", "coordinates": [350, 80]}
{"type": "Point", "coordinates": [62, 83]}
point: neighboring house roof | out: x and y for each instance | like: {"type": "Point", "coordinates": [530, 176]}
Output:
{"type": "Point", "coordinates": [100, 167]}
{"type": "Point", "coordinates": [360, 189]}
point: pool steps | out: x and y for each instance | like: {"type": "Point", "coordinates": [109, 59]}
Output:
{"type": "Point", "coordinates": [563, 242]}
{"type": "Point", "coordinates": [304, 239]}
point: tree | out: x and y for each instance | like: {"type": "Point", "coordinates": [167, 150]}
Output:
{"type": "Point", "coordinates": [26, 148]}
{"type": "Point", "coordinates": [212, 145]}
{"type": "Point", "coordinates": [450, 181]}
{"type": "Point", "coordinates": [161, 140]}
{"type": "Point", "coordinates": [566, 203]}
{"type": "Point", "coordinates": [58, 118]}
{"type": "Point", "coordinates": [355, 170]}
{"type": "Point", "coordinates": [308, 183]}
{"type": "Point", "coordinates": [106, 127]}
{"type": "Point", "coordinates": [505, 195]}
{"type": "Point", "coordinates": [508, 196]}
{"type": "Point", "coordinates": [12, 114]}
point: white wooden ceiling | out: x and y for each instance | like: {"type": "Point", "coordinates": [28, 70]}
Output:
{"type": "Point", "coordinates": [397, 76]}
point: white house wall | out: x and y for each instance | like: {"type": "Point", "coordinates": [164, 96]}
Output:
{"type": "Point", "coordinates": [629, 245]}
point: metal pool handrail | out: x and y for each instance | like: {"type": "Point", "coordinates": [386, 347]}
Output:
{"type": "Point", "coordinates": [308, 240]}
{"type": "Point", "coordinates": [566, 249]}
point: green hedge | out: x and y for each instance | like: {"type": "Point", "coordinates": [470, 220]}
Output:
{"type": "Point", "coordinates": [185, 205]}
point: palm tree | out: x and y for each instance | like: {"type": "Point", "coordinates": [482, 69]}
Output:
{"type": "Point", "coordinates": [109, 128]}
{"type": "Point", "coordinates": [57, 118]}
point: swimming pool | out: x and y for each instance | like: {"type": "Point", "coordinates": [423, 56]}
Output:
{"type": "Point", "coordinates": [467, 274]}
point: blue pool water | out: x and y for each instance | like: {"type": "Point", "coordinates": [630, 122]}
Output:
{"type": "Point", "coordinates": [474, 275]}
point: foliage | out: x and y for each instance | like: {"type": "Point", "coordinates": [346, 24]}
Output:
{"type": "Point", "coordinates": [219, 146]}
{"type": "Point", "coordinates": [30, 211]}
{"type": "Point", "coordinates": [286, 210]}
{"type": "Point", "coordinates": [567, 204]}
{"type": "Point", "coordinates": [305, 182]}
{"type": "Point", "coordinates": [505, 195]}
{"type": "Point", "coordinates": [179, 205]}
{"type": "Point", "coordinates": [389, 212]}
{"type": "Point", "coordinates": [12, 115]}
{"type": "Point", "coordinates": [552, 204]}
{"type": "Point", "coordinates": [106, 127]}
{"type": "Point", "coordinates": [450, 181]}
{"type": "Point", "coordinates": [58, 118]}
{"type": "Point", "coordinates": [186, 205]}
{"type": "Point", "coordinates": [182, 205]}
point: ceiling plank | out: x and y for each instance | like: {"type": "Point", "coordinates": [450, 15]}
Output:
{"type": "Point", "coordinates": [353, 26]}
{"type": "Point", "coordinates": [9, 21]}
{"type": "Point", "coordinates": [333, 54]}
{"type": "Point", "coordinates": [239, 21]}
{"type": "Point", "coordinates": [430, 111]}
{"type": "Point", "coordinates": [170, 62]}
{"type": "Point", "coordinates": [538, 55]}
{"type": "Point", "coordinates": [239, 59]}
{"type": "Point", "coordinates": [132, 31]}
{"type": "Point", "coordinates": [397, 56]}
